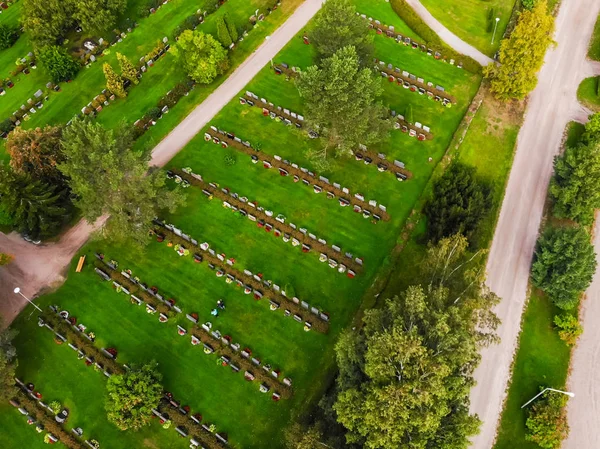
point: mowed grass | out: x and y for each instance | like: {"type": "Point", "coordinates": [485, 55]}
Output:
{"type": "Point", "coordinates": [468, 19]}
{"type": "Point", "coordinates": [594, 50]}
{"type": "Point", "coordinates": [380, 10]}
{"type": "Point", "coordinates": [542, 360]}
{"type": "Point", "coordinates": [587, 93]}
{"type": "Point", "coordinates": [236, 407]}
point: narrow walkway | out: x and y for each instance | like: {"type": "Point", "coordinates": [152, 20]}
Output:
{"type": "Point", "coordinates": [447, 36]}
{"type": "Point", "coordinates": [36, 268]}
{"type": "Point", "coordinates": [550, 108]}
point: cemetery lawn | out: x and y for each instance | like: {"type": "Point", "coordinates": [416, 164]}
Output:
{"type": "Point", "coordinates": [542, 360]}
{"type": "Point", "coordinates": [594, 51]}
{"type": "Point", "coordinates": [469, 20]}
{"type": "Point", "coordinates": [588, 93]}
{"type": "Point", "coordinates": [236, 407]}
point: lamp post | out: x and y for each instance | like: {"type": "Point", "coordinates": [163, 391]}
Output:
{"type": "Point", "coordinates": [17, 290]}
{"type": "Point", "coordinates": [568, 393]}
{"type": "Point", "coordinates": [495, 27]}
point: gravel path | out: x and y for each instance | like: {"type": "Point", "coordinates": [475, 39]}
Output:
{"type": "Point", "coordinates": [551, 106]}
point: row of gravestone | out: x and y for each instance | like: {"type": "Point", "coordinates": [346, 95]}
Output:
{"type": "Point", "coordinates": [275, 112]}
{"type": "Point", "coordinates": [266, 219]}
{"type": "Point", "coordinates": [24, 65]}
{"type": "Point", "coordinates": [309, 178]}
{"type": "Point", "coordinates": [391, 32]}
{"type": "Point", "coordinates": [232, 355]}
{"type": "Point", "coordinates": [251, 284]}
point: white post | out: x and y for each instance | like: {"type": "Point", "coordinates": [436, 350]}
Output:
{"type": "Point", "coordinates": [17, 290]}
{"type": "Point", "coordinates": [568, 393]}
{"type": "Point", "coordinates": [495, 27]}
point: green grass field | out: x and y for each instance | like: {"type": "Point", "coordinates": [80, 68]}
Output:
{"type": "Point", "coordinates": [542, 360]}
{"type": "Point", "coordinates": [587, 93]}
{"type": "Point", "coordinates": [594, 51]}
{"type": "Point", "coordinates": [250, 419]}
{"type": "Point", "coordinates": [469, 20]}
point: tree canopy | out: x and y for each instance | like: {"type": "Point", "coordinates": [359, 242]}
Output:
{"type": "Point", "coordinates": [132, 396]}
{"type": "Point", "coordinates": [114, 82]}
{"type": "Point", "coordinates": [547, 423]}
{"type": "Point", "coordinates": [342, 101]}
{"type": "Point", "coordinates": [97, 15]}
{"type": "Point", "coordinates": [575, 186]}
{"type": "Point", "coordinates": [8, 363]}
{"type": "Point", "coordinates": [337, 26]}
{"type": "Point", "coordinates": [8, 36]}
{"type": "Point", "coordinates": [405, 377]}
{"type": "Point", "coordinates": [108, 177]}
{"type": "Point", "coordinates": [459, 201]}
{"type": "Point", "coordinates": [58, 63]}
{"type": "Point", "coordinates": [522, 54]}
{"type": "Point", "coordinates": [201, 55]}
{"type": "Point", "coordinates": [564, 264]}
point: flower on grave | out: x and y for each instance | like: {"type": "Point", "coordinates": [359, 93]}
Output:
{"type": "Point", "coordinates": [186, 252]}
{"type": "Point", "coordinates": [194, 315]}
{"type": "Point", "coordinates": [54, 406]}
{"type": "Point", "coordinates": [178, 180]}
{"type": "Point", "coordinates": [95, 444]}
{"type": "Point", "coordinates": [198, 416]}
{"type": "Point", "coordinates": [247, 291]}
{"type": "Point", "coordinates": [166, 424]}
{"type": "Point", "coordinates": [273, 307]}
{"type": "Point", "coordinates": [176, 248]}
{"type": "Point", "coordinates": [38, 395]}
{"type": "Point", "coordinates": [181, 331]}
{"type": "Point", "coordinates": [92, 335]}
{"type": "Point", "coordinates": [163, 318]}
{"type": "Point", "coordinates": [185, 184]}
{"type": "Point", "coordinates": [30, 421]}
{"type": "Point", "coordinates": [72, 320]}
{"type": "Point", "coordinates": [169, 244]}
{"type": "Point", "coordinates": [212, 428]}
{"type": "Point", "coordinates": [119, 288]}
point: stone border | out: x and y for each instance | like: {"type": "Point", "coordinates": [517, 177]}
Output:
{"type": "Point", "coordinates": [249, 209]}
{"type": "Point", "coordinates": [319, 183]}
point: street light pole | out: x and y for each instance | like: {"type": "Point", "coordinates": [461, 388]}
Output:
{"type": "Point", "coordinates": [495, 27]}
{"type": "Point", "coordinates": [568, 393]}
{"type": "Point", "coordinates": [17, 290]}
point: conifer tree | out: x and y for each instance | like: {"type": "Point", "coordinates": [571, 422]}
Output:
{"type": "Point", "coordinates": [114, 82]}
{"type": "Point", "coordinates": [128, 71]}
{"type": "Point", "coordinates": [223, 33]}
{"type": "Point", "coordinates": [233, 32]}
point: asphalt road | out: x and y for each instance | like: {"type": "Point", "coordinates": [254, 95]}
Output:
{"type": "Point", "coordinates": [551, 106]}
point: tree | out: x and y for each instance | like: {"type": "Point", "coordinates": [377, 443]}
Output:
{"type": "Point", "coordinates": [223, 33]}
{"type": "Point", "coordinates": [201, 55]}
{"type": "Point", "coordinates": [458, 203]}
{"type": "Point", "coordinates": [299, 438]}
{"type": "Point", "coordinates": [8, 36]}
{"type": "Point", "coordinates": [231, 28]}
{"type": "Point", "coordinates": [8, 363]}
{"type": "Point", "coordinates": [575, 186]}
{"type": "Point", "coordinates": [569, 328]}
{"type": "Point", "coordinates": [132, 396]}
{"type": "Point", "coordinates": [337, 26]}
{"type": "Point", "coordinates": [522, 54]}
{"type": "Point", "coordinates": [114, 82]}
{"type": "Point", "coordinates": [405, 377]}
{"type": "Point", "coordinates": [341, 100]}
{"type": "Point", "coordinates": [547, 423]}
{"type": "Point", "coordinates": [98, 15]}
{"type": "Point", "coordinates": [564, 264]}
{"type": "Point", "coordinates": [5, 259]}
{"type": "Point", "coordinates": [36, 152]}
{"type": "Point", "coordinates": [128, 71]}
{"type": "Point", "coordinates": [108, 177]}
{"type": "Point", "coordinates": [58, 63]}
{"type": "Point", "coordinates": [46, 21]}
{"type": "Point", "coordinates": [36, 208]}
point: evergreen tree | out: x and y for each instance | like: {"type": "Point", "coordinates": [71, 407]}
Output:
{"type": "Point", "coordinates": [8, 36]}
{"type": "Point", "coordinates": [8, 363]}
{"type": "Point", "coordinates": [547, 424]}
{"type": "Point", "coordinates": [128, 71]}
{"type": "Point", "coordinates": [522, 54]}
{"type": "Point", "coordinates": [114, 82]}
{"type": "Point", "coordinates": [223, 33]}
{"type": "Point", "coordinates": [98, 15]}
{"type": "Point", "coordinates": [231, 28]}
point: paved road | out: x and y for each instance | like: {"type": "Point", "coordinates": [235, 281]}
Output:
{"type": "Point", "coordinates": [38, 267]}
{"type": "Point", "coordinates": [447, 36]}
{"type": "Point", "coordinates": [551, 106]}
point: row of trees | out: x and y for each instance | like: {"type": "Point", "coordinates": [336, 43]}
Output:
{"type": "Point", "coordinates": [114, 81]}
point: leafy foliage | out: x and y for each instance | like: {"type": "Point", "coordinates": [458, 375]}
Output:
{"type": "Point", "coordinates": [59, 64]}
{"type": "Point", "coordinates": [231, 28]}
{"type": "Point", "coordinates": [8, 363]}
{"type": "Point", "coordinates": [5, 259]}
{"type": "Point", "coordinates": [458, 203]}
{"type": "Point", "coordinates": [341, 100]}
{"type": "Point", "coordinates": [201, 55]}
{"type": "Point", "coordinates": [109, 178]}
{"type": "Point", "coordinates": [223, 33]}
{"type": "Point", "coordinates": [522, 54]}
{"type": "Point", "coordinates": [405, 376]}
{"type": "Point", "coordinates": [547, 423]}
{"type": "Point", "coordinates": [564, 265]}
{"type": "Point", "coordinates": [569, 328]}
{"type": "Point", "coordinates": [97, 15]}
{"type": "Point", "coordinates": [298, 438]}
{"type": "Point", "coordinates": [128, 71]}
{"type": "Point", "coordinates": [114, 82]}
{"type": "Point", "coordinates": [575, 186]}
{"type": "Point", "coordinates": [337, 26]}
{"type": "Point", "coordinates": [132, 396]}
{"type": "Point", "coordinates": [8, 36]}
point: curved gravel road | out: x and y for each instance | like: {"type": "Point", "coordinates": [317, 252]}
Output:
{"type": "Point", "coordinates": [551, 106]}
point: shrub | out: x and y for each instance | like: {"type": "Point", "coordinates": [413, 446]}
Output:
{"type": "Point", "coordinates": [569, 328]}
{"type": "Point", "coordinates": [8, 36]}
{"type": "Point", "coordinates": [154, 113]}
{"type": "Point", "coordinates": [223, 33]}
{"type": "Point", "coordinates": [6, 126]}
{"type": "Point", "coordinates": [54, 406]}
{"type": "Point", "coordinates": [59, 63]}
{"type": "Point", "coordinates": [547, 422]}
{"type": "Point", "coordinates": [528, 4]}
{"type": "Point", "coordinates": [233, 32]}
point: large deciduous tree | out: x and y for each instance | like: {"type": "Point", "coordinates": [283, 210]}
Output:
{"type": "Point", "coordinates": [405, 376]}
{"type": "Point", "coordinates": [45, 21]}
{"type": "Point", "coordinates": [97, 15]}
{"type": "Point", "coordinates": [564, 264]}
{"type": "Point", "coordinates": [8, 36]}
{"type": "Point", "coordinates": [132, 396]}
{"type": "Point", "coordinates": [337, 26]}
{"type": "Point", "coordinates": [108, 177]}
{"type": "Point", "coordinates": [459, 201]}
{"type": "Point", "coordinates": [522, 54]}
{"type": "Point", "coordinates": [575, 186]}
{"type": "Point", "coordinates": [341, 100]}
{"type": "Point", "coordinates": [547, 424]}
{"type": "Point", "coordinates": [223, 33]}
{"type": "Point", "coordinates": [59, 64]}
{"type": "Point", "coordinates": [202, 57]}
